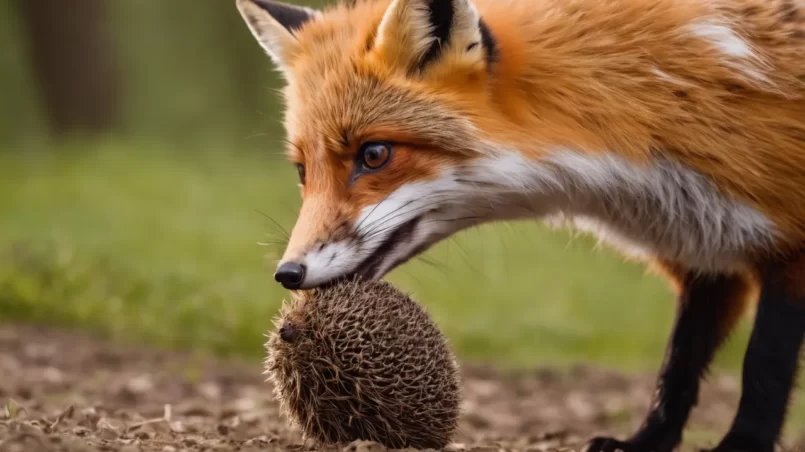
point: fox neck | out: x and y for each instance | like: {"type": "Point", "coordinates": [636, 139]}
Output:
{"type": "Point", "coordinates": [581, 172]}
{"type": "Point", "coordinates": [594, 163]}
{"type": "Point", "coordinates": [661, 209]}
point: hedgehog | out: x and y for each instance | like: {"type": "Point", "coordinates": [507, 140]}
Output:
{"type": "Point", "coordinates": [361, 360]}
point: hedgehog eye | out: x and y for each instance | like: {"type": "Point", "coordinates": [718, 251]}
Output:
{"type": "Point", "coordinates": [373, 156]}
{"type": "Point", "coordinates": [300, 168]}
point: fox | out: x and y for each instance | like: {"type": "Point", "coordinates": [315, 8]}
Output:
{"type": "Point", "coordinates": [673, 130]}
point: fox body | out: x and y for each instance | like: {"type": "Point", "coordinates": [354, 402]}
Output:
{"type": "Point", "coordinates": [673, 129]}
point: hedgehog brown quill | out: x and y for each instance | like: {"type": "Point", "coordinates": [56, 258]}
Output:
{"type": "Point", "coordinates": [364, 361]}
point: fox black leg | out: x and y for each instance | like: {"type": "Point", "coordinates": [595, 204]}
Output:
{"type": "Point", "coordinates": [709, 307]}
{"type": "Point", "coordinates": [771, 361]}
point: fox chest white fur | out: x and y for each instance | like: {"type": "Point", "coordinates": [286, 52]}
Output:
{"type": "Point", "coordinates": [662, 209]}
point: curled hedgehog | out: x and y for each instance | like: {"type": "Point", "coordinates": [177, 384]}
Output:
{"type": "Point", "coordinates": [362, 360]}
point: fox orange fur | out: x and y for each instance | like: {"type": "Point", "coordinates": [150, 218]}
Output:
{"type": "Point", "coordinates": [674, 129]}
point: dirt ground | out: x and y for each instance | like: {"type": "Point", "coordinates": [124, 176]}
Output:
{"type": "Point", "coordinates": [64, 391]}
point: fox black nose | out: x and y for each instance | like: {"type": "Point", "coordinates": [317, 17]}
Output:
{"type": "Point", "coordinates": [290, 275]}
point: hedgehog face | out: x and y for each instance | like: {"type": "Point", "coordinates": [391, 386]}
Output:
{"type": "Point", "coordinates": [288, 332]}
{"type": "Point", "coordinates": [294, 338]}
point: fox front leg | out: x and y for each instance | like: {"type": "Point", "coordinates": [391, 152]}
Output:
{"type": "Point", "coordinates": [708, 309]}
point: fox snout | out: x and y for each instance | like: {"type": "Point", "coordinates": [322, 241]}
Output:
{"type": "Point", "coordinates": [367, 248]}
{"type": "Point", "coordinates": [329, 243]}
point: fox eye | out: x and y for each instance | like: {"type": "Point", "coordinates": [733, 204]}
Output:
{"type": "Point", "coordinates": [300, 168]}
{"type": "Point", "coordinates": [374, 156]}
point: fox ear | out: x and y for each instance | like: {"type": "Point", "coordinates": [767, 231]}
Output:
{"type": "Point", "coordinates": [415, 33]}
{"type": "Point", "coordinates": [274, 25]}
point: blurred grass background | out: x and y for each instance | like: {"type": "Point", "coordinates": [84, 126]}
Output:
{"type": "Point", "coordinates": [147, 225]}
{"type": "Point", "coordinates": [139, 173]}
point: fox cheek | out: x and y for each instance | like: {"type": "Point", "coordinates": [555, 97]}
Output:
{"type": "Point", "coordinates": [342, 231]}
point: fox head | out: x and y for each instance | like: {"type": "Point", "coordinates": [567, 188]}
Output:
{"type": "Point", "coordinates": [382, 105]}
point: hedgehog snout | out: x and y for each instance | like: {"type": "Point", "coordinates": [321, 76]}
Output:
{"type": "Point", "coordinates": [288, 331]}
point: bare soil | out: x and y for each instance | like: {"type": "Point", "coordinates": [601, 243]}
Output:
{"type": "Point", "coordinates": [65, 391]}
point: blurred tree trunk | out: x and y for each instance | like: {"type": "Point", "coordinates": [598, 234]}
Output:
{"type": "Point", "coordinates": [74, 63]}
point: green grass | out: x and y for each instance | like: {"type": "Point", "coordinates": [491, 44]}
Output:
{"type": "Point", "coordinates": [145, 243]}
